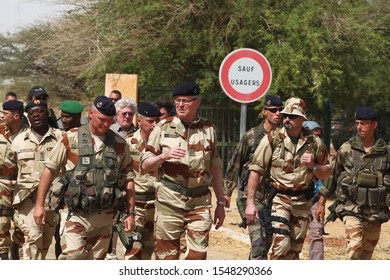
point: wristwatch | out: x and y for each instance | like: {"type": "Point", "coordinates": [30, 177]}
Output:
{"type": "Point", "coordinates": [131, 212]}
{"type": "Point", "coordinates": [221, 202]}
{"type": "Point", "coordinates": [315, 167]}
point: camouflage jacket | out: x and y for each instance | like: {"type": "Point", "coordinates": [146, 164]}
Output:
{"type": "Point", "coordinates": [242, 157]}
{"type": "Point", "coordinates": [200, 141]}
{"type": "Point", "coordinates": [143, 182]}
{"type": "Point", "coordinates": [6, 140]}
{"type": "Point", "coordinates": [29, 155]}
{"type": "Point", "coordinates": [357, 194]}
{"type": "Point", "coordinates": [282, 159]}
{"type": "Point", "coordinates": [344, 162]}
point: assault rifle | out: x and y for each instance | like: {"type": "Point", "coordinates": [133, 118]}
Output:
{"type": "Point", "coordinates": [241, 204]}
{"type": "Point", "coordinates": [331, 217]}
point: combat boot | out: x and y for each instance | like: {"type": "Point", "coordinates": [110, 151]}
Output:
{"type": "Point", "coordinates": [4, 256]}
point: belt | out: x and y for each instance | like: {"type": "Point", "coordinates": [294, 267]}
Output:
{"type": "Point", "coordinates": [292, 192]}
{"type": "Point", "coordinates": [185, 191]}
{"type": "Point", "coordinates": [145, 196]}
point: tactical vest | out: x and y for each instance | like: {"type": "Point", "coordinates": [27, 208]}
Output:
{"type": "Point", "coordinates": [257, 136]}
{"type": "Point", "coordinates": [365, 186]}
{"type": "Point", "coordinates": [94, 184]}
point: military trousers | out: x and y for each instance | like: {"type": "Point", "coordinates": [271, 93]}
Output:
{"type": "Point", "coordinates": [316, 245]}
{"type": "Point", "coordinates": [85, 236]}
{"type": "Point", "coordinates": [176, 214]}
{"type": "Point", "coordinates": [362, 237]}
{"type": "Point", "coordinates": [288, 238]}
{"type": "Point", "coordinates": [143, 235]}
{"type": "Point", "coordinates": [260, 243]}
{"type": "Point", "coordinates": [37, 240]}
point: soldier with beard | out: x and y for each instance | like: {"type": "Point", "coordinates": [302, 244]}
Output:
{"type": "Point", "coordinates": [293, 159]}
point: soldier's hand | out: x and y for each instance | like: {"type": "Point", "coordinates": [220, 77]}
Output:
{"type": "Point", "coordinates": [129, 223]}
{"type": "Point", "coordinates": [176, 153]}
{"type": "Point", "coordinates": [307, 159]}
{"type": "Point", "coordinates": [227, 199]}
{"type": "Point", "coordinates": [320, 210]}
{"type": "Point", "coordinates": [251, 213]}
{"type": "Point", "coordinates": [39, 216]}
{"type": "Point", "coordinates": [219, 216]}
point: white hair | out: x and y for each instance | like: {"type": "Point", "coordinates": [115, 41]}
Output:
{"type": "Point", "coordinates": [125, 102]}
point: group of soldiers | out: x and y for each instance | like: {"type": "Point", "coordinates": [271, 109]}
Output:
{"type": "Point", "coordinates": [280, 171]}
{"type": "Point", "coordinates": [74, 184]}
{"type": "Point", "coordinates": [150, 183]}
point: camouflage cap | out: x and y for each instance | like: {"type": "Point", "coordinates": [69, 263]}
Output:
{"type": "Point", "coordinates": [295, 106]}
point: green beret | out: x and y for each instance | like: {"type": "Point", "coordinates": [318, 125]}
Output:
{"type": "Point", "coordinates": [71, 107]}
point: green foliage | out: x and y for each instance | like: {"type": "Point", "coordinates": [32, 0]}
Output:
{"type": "Point", "coordinates": [317, 49]}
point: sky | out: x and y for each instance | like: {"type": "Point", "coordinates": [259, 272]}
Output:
{"type": "Point", "coordinates": [15, 14]}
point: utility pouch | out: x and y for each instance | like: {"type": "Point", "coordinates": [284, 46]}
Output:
{"type": "Point", "coordinates": [381, 196]}
{"type": "Point", "coordinates": [367, 179]}
{"type": "Point", "coordinates": [110, 177]}
{"type": "Point", "coordinates": [361, 196]}
{"type": "Point", "coordinates": [88, 178]}
{"type": "Point", "coordinates": [88, 197]}
{"type": "Point", "coordinates": [55, 195]}
{"type": "Point", "coordinates": [373, 197]}
{"type": "Point", "coordinates": [353, 193]}
{"type": "Point", "coordinates": [342, 193]}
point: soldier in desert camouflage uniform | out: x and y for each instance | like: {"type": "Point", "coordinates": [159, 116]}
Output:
{"type": "Point", "coordinates": [12, 117]}
{"type": "Point", "coordinates": [362, 181]}
{"type": "Point", "coordinates": [28, 151]}
{"type": "Point", "coordinates": [184, 147]}
{"type": "Point", "coordinates": [98, 168]}
{"type": "Point", "coordinates": [238, 168]}
{"type": "Point", "coordinates": [145, 184]}
{"type": "Point", "coordinates": [293, 163]}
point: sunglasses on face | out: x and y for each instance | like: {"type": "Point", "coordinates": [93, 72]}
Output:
{"type": "Point", "coordinates": [274, 110]}
{"type": "Point", "coordinates": [291, 117]}
{"type": "Point", "coordinates": [127, 113]}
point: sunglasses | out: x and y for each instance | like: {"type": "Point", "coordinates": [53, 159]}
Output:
{"type": "Point", "coordinates": [274, 110]}
{"type": "Point", "coordinates": [291, 117]}
{"type": "Point", "coordinates": [127, 113]}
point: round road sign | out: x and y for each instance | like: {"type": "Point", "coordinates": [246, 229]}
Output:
{"type": "Point", "coordinates": [245, 75]}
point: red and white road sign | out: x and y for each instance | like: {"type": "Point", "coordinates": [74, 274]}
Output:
{"type": "Point", "coordinates": [245, 75]}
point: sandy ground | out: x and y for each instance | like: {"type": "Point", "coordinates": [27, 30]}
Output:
{"type": "Point", "coordinates": [232, 242]}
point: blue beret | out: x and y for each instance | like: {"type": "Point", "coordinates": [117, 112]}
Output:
{"type": "Point", "coordinates": [71, 107]}
{"type": "Point", "coordinates": [35, 103]}
{"type": "Point", "coordinates": [105, 106]}
{"type": "Point", "coordinates": [187, 89]}
{"type": "Point", "coordinates": [13, 105]}
{"type": "Point", "coordinates": [148, 110]}
{"type": "Point", "coordinates": [37, 91]}
{"type": "Point", "coordinates": [310, 125]}
{"type": "Point", "coordinates": [366, 113]}
{"type": "Point", "coordinates": [272, 101]}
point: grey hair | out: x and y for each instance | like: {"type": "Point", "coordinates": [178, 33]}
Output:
{"type": "Point", "coordinates": [125, 102]}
